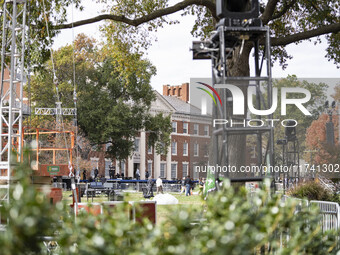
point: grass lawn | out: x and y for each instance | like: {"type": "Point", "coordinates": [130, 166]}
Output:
{"type": "Point", "coordinates": [188, 202]}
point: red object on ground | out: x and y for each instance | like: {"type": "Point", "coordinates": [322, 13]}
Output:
{"type": "Point", "coordinates": [56, 195]}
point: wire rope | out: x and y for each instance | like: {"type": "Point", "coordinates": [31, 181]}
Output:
{"type": "Point", "coordinates": [55, 81]}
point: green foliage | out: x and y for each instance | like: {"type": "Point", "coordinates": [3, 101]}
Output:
{"type": "Point", "coordinates": [56, 13]}
{"type": "Point", "coordinates": [114, 94]}
{"type": "Point", "coordinates": [29, 214]}
{"type": "Point", "coordinates": [311, 191]}
{"type": "Point", "coordinates": [230, 222]}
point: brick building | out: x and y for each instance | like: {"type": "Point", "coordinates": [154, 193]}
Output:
{"type": "Point", "coordinates": [189, 141]}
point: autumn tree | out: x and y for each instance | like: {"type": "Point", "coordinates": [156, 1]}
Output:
{"type": "Point", "coordinates": [322, 152]}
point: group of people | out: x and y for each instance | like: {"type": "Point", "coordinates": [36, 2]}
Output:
{"type": "Point", "coordinates": [187, 185]}
{"type": "Point", "coordinates": [137, 174]}
{"type": "Point", "coordinates": [95, 176]}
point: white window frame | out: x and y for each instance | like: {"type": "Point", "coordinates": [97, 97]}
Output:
{"type": "Point", "coordinates": [138, 143]}
{"type": "Point", "coordinates": [164, 170]}
{"type": "Point", "coordinates": [174, 164]}
{"type": "Point", "coordinates": [150, 169]}
{"type": "Point", "coordinates": [173, 148]}
{"type": "Point", "coordinates": [174, 126]}
{"type": "Point", "coordinates": [206, 152]}
{"type": "Point", "coordinates": [94, 164]}
{"type": "Point", "coordinates": [186, 148]}
{"type": "Point", "coordinates": [198, 129]}
{"type": "Point", "coordinates": [206, 130]}
{"type": "Point", "coordinates": [187, 166]}
{"type": "Point", "coordinates": [107, 160]}
{"type": "Point", "coordinates": [196, 152]}
{"type": "Point", "coordinates": [149, 149]}
{"type": "Point", "coordinates": [187, 127]}
{"type": "Point", "coordinates": [122, 167]}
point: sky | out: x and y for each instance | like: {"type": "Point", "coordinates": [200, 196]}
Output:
{"type": "Point", "coordinates": [173, 59]}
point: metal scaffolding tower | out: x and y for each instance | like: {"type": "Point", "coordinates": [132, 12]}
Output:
{"type": "Point", "coordinates": [233, 32]}
{"type": "Point", "coordinates": [12, 78]}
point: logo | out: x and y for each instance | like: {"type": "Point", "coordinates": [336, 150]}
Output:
{"type": "Point", "coordinates": [238, 99]}
{"type": "Point", "coordinates": [213, 90]}
{"type": "Point", "coordinates": [288, 96]}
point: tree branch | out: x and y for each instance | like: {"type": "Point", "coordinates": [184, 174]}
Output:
{"type": "Point", "coordinates": [286, 7]}
{"type": "Point", "coordinates": [282, 41]}
{"type": "Point", "coordinates": [268, 11]}
{"type": "Point", "coordinates": [136, 22]}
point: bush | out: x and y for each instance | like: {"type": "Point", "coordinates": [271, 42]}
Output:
{"type": "Point", "coordinates": [228, 223]}
{"type": "Point", "coordinates": [311, 191]}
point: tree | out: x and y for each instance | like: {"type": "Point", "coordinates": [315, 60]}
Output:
{"type": "Point", "coordinates": [314, 106]}
{"type": "Point", "coordinates": [321, 152]}
{"type": "Point", "coordinates": [114, 97]}
{"type": "Point", "coordinates": [131, 23]}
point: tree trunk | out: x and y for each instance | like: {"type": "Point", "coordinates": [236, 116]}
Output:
{"type": "Point", "coordinates": [238, 66]}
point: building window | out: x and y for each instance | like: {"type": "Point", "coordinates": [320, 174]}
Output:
{"type": "Point", "coordinates": [185, 169]}
{"type": "Point", "coordinates": [136, 144]}
{"type": "Point", "coordinates": [179, 92]}
{"type": "Point", "coordinates": [107, 167]}
{"type": "Point", "coordinates": [174, 148]}
{"type": "Point", "coordinates": [206, 130]}
{"type": "Point", "coordinates": [163, 170]}
{"type": "Point", "coordinates": [94, 165]}
{"type": "Point", "coordinates": [150, 168]}
{"type": "Point", "coordinates": [173, 171]}
{"type": "Point", "coordinates": [195, 129]}
{"type": "Point", "coordinates": [206, 150]}
{"type": "Point", "coordinates": [196, 149]}
{"type": "Point", "coordinates": [149, 149]}
{"type": "Point", "coordinates": [185, 128]}
{"type": "Point", "coordinates": [122, 167]}
{"type": "Point", "coordinates": [185, 149]}
{"type": "Point", "coordinates": [174, 127]}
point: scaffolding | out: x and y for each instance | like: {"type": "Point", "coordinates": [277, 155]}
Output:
{"type": "Point", "coordinates": [232, 33]}
{"type": "Point", "coordinates": [12, 79]}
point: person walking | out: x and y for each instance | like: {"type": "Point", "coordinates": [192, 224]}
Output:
{"type": "Point", "coordinates": [137, 174]}
{"type": "Point", "coordinates": [159, 185]}
{"type": "Point", "coordinates": [147, 175]}
{"type": "Point", "coordinates": [183, 185]}
{"type": "Point", "coordinates": [188, 184]}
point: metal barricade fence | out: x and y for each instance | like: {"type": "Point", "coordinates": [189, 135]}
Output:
{"type": "Point", "coordinates": [330, 212]}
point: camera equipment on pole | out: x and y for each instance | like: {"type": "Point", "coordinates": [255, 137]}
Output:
{"type": "Point", "coordinates": [290, 156]}
{"type": "Point", "coordinates": [239, 24]}
{"type": "Point", "coordinates": [290, 130]}
{"type": "Point", "coordinates": [330, 124]}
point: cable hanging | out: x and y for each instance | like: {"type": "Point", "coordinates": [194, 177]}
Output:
{"type": "Point", "coordinates": [75, 98]}
{"type": "Point", "coordinates": [56, 83]}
